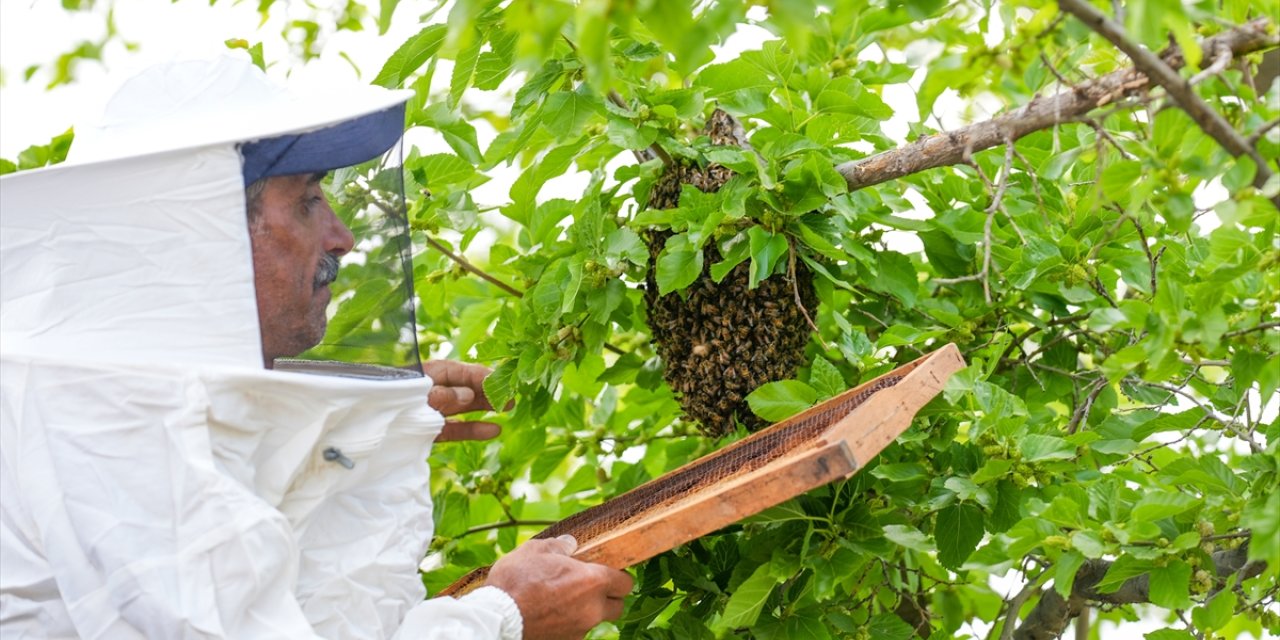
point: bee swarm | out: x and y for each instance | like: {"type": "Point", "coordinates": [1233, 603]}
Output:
{"type": "Point", "coordinates": [721, 341]}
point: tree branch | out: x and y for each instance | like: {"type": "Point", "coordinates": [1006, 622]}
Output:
{"type": "Point", "coordinates": [949, 148]}
{"type": "Point", "coordinates": [471, 268]}
{"type": "Point", "coordinates": [1262, 327]}
{"type": "Point", "coordinates": [1053, 613]}
{"type": "Point", "coordinates": [1160, 72]}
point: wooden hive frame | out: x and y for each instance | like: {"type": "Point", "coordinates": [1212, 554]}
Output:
{"type": "Point", "coordinates": [828, 442]}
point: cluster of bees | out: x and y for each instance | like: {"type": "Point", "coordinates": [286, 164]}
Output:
{"type": "Point", "coordinates": [721, 341]}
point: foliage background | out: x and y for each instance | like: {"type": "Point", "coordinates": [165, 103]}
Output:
{"type": "Point", "coordinates": [1113, 282]}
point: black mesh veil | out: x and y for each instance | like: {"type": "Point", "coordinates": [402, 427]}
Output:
{"type": "Point", "coordinates": [371, 331]}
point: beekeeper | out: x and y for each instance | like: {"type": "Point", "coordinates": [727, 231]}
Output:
{"type": "Point", "coordinates": [156, 479]}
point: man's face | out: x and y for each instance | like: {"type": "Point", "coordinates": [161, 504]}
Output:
{"type": "Point", "coordinates": [296, 240]}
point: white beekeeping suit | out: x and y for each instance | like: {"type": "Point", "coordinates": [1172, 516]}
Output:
{"type": "Point", "coordinates": [155, 480]}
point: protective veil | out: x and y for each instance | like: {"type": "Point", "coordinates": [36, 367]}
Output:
{"type": "Point", "coordinates": [155, 480]}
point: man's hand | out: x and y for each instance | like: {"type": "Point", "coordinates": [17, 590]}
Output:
{"type": "Point", "coordinates": [459, 388]}
{"type": "Point", "coordinates": [559, 597]}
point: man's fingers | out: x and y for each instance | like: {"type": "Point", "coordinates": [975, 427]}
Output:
{"type": "Point", "coordinates": [449, 373]}
{"type": "Point", "coordinates": [452, 373]}
{"type": "Point", "coordinates": [467, 430]}
{"type": "Point", "coordinates": [564, 545]}
{"type": "Point", "coordinates": [454, 400]}
{"type": "Point", "coordinates": [613, 608]}
{"type": "Point", "coordinates": [617, 583]}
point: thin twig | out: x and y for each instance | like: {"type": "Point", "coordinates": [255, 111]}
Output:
{"type": "Point", "coordinates": [985, 274]}
{"type": "Point", "coordinates": [1062, 372]}
{"type": "Point", "coordinates": [1229, 425]}
{"type": "Point", "coordinates": [1190, 628]}
{"type": "Point", "coordinates": [795, 288]}
{"type": "Point", "coordinates": [1105, 135]}
{"type": "Point", "coordinates": [1205, 363]}
{"type": "Point", "coordinates": [1082, 412]}
{"type": "Point", "coordinates": [1154, 261]}
{"type": "Point", "coordinates": [1102, 291]}
{"type": "Point", "coordinates": [1262, 327]}
{"type": "Point", "coordinates": [507, 523]}
{"type": "Point", "coordinates": [471, 268]}
{"type": "Point", "coordinates": [1035, 185]}
{"type": "Point", "coordinates": [969, 278]}
{"type": "Point", "coordinates": [1262, 131]}
{"type": "Point", "coordinates": [1220, 63]}
{"type": "Point", "coordinates": [997, 202]}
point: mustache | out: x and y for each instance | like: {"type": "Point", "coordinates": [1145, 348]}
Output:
{"type": "Point", "coordinates": [326, 271]}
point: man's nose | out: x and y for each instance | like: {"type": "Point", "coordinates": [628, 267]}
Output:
{"type": "Point", "coordinates": [338, 238]}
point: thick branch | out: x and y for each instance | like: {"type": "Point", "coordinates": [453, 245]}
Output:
{"type": "Point", "coordinates": [1053, 613]}
{"type": "Point", "coordinates": [950, 148]}
{"type": "Point", "coordinates": [1160, 72]}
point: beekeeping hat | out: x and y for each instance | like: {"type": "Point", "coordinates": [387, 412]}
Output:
{"type": "Point", "coordinates": [137, 249]}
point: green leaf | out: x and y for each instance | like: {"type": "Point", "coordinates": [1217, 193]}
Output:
{"type": "Point", "coordinates": [457, 132]}
{"type": "Point", "coordinates": [734, 253]}
{"type": "Point", "coordinates": [591, 37]}
{"type": "Point", "coordinates": [992, 469]}
{"type": "Point", "coordinates": [1157, 505]}
{"type": "Point", "coordinates": [748, 600]}
{"type": "Point", "coordinates": [732, 76]}
{"type": "Point", "coordinates": [1217, 613]}
{"type": "Point", "coordinates": [1008, 509]}
{"type": "Point", "coordinates": [1124, 568]}
{"type": "Point", "coordinates": [385, 9]}
{"type": "Point", "coordinates": [536, 88]}
{"type": "Point", "coordinates": [1263, 518]}
{"type": "Point", "coordinates": [1119, 179]}
{"type": "Point", "coordinates": [583, 479]}
{"type": "Point", "coordinates": [410, 56]}
{"type": "Point", "coordinates": [1036, 447]}
{"type": "Point", "coordinates": [900, 471]}
{"type": "Point", "coordinates": [896, 276]}
{"type": "Point", "coordinates": [1169, 634]}
{"type": "Point", "coordinates": [494, 66]}
{"type": "Point", "coordinates": [782, 399]}
{"type": "Point", "coordinates": [848, 97]}
{"type": "Point", "coordinates": [439, 169]}
{"type": "Point", "coordinates": [908, 538]}
{"type": "Point", "coordinates": [767, 248]}
{"type": "Point", "coordinates": [1170, 585]}
{"type": "Point", "coordinates": [679, 264]}
{"type": "Point", "coordinates": [451, 515]}
{"type": "Point", "coordinates": [546, 298]}
{"type": "Point", "coordinates": [566, 112]}
{"type": "Point", "coordinates": [1088, 543]}
{"type": "Point", "coordinates": [825, 378]}
{"type": "Point", "coordinates": [888, 626]}
{"type": "Point", "coordinates": [1064, 574]}
{"type": "Point", "coordinates": [958, 531]}
{"type": "Point", "coordinates": [464, 68]}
